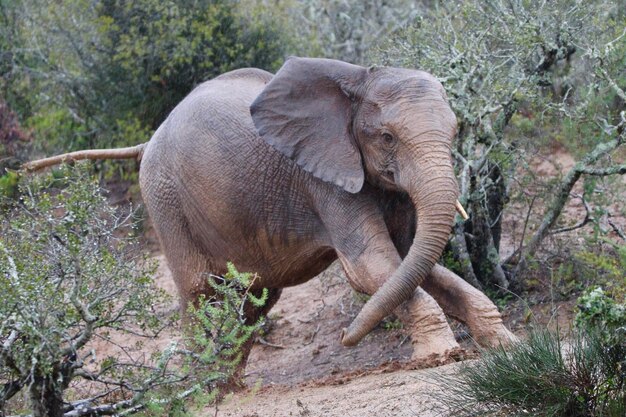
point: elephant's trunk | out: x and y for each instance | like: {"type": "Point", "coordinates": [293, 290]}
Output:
{"type": "Point", "coordinates": [434, 200]}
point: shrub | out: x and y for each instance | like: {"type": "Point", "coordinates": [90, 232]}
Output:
{"type": "Point", "coordinates": [84, 73]}
{"type": "Point", "coordinates": [597, 310]}
{"type": "Point", "coordinates": [347, 29]}
{"type": "Point", "coordinates": [507, 67]}
{"type": "Point", "coordinates": [543, 377]}
{"type": "Point", "coordinates": [72, 275]}
{"type": "Point", "coordinates": [14, 145]}
{"type": "Point", "coordinates": [584, 376]}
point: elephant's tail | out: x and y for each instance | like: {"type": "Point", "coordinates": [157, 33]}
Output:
{"type": "Point", "coordinates": [132, 152]}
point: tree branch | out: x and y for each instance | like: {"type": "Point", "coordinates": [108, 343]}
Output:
{"type": "Point", "coordinates": [603, 172]}
{"type": "Point", "coordinates": [582, 223]}
{"type": "Point", "coordinates": [9, 389]}
{"type": "Point", "coordinates": [620, 93]}
{"type": "Point", "coordinates": [564, 191]}
{"type": "Point", "coordinates": [617, 229]}
{"type": "Point", "coordinates": [462, 254]}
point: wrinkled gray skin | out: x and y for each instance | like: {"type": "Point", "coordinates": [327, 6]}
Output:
{"type": "Point", "coordinates": [284, 174]}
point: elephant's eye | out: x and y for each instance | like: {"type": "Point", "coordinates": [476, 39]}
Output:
{"type": "Point", "coordinates": [387, 138]}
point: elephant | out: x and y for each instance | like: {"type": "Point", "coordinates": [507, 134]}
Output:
{"type": "Point", "coordinates": [283, 174]}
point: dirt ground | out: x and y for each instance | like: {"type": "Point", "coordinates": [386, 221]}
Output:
{"type": "Point", "coordinates": [402, 393]}
{"type": "Point", "coordinates": [298, 367]}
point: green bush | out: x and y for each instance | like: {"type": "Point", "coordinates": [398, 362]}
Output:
{"type": "Point", "coordinates": [68, 272]}
{"type": "Point", "coordinates": [543, 377]}
{"type": "Point", "coordinates": [212, 355]}
{"type": "Point", "coordinates": [96, 74]}
{"type": "Point", "coordinates": [597, 310]}
{"type": "Point", "coordinates": [72, 274]}
{"type": "Point", "coordinates": [583, 376]}
{"type": "Point", "coordinates": [600, 263]}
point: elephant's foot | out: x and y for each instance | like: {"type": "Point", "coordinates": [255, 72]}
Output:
{"type": "Point", "coordinates": [468, 305]}
{"type": "Point", "coordinates": [487, 328]}
{"type": "Point", "coordinates": [431, 336]}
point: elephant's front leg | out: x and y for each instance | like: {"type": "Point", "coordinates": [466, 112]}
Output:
{"type": "Point", "coordinates": [468, 305]}
{"type": "Point", "coordinates": [369, 267]}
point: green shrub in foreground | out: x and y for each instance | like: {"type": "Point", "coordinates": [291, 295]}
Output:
{"type": "Point", "coordinates": [70, 276]}
{"type": "Point", "coordinates": [544, 376]}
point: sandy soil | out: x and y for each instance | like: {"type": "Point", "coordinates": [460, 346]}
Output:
{"type": "Point", "coordinates": [402, 393]}
{"type": "Point", "coordinates": [299, 368]}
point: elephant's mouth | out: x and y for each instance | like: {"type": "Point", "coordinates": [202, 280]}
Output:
{"type": "Point", "coordinates": [389, 176]}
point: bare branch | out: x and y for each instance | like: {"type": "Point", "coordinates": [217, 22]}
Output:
{"type": "Point", "coordinates": [580, 224]}
{"type": "Point", "coordinates": [617, 229]}
{"type": "Point", "coordinates": [563, 193]}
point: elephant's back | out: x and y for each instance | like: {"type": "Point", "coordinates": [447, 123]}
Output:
{"type": "Point", "coordinates": [218, 108]}
{"type": "Point", "coordinates": [237, 194]}
{"type": "Point", "coordinates": [209, 125]}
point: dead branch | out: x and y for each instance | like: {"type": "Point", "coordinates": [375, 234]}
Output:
{"type": "Point", "coordinates": [565, 188]}
{"type": "Point", "coordinates": [132, 152]}
{"type": "Point", "coordinates": [580, 224]}
{"type": "Point", "coordinates": [617, 229]}
{"type": "Point", "coordinates": [266, 343]}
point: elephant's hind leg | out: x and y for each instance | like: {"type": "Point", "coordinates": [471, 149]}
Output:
{"type": "Point", "coordinates": [190, 265]}
{"type": "Point", "coordinates": [467, 304]}
{"type": "Point", "coordinates": [190, 269]}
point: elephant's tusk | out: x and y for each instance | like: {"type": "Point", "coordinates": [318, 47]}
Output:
{"type": "Point", "coordinates": [461, 210]}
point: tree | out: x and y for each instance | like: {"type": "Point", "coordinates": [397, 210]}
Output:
{"type": "Point", "coordinates": [348, 29]}
{"type": "Point", "coordinates": [498, 62]}
{"type": "Point", "coordinates": [94, 74]}
{"type": "Point", "coordinates": [73, 276]}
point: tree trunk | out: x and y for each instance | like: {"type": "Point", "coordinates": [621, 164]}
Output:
{"type": "Point", "coordinates": [487, 202]}
{"type": "Point", "coordinates": [46, 397]}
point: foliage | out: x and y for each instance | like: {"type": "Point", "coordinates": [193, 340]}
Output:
{"type": "Point", "coordinates": [14, 144]}
{"type": "Point", "coordinates": [218, 331]}
{"type": "Point", "coordinates": [13, 139]}
{"type": "Point", "coordinates": [510, 69]}
{"type": "Point", "coordinates": [73, 279]}
{"type": "Point", "coordinates": [544, 377]}
{"type": "Point", "coordinates": [67, 274]}
{"type": "Point", "coordinates": [596, 309]}
{"type": "Point", "coordinates": [83, 73]}
{"type": "Point", "coordinates": [348, 29]}
{"type": "Point", "coordinates": [601, 262]}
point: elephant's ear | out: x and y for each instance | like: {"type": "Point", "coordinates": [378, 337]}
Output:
{"type": "Point", "coordinates": [306, 111]}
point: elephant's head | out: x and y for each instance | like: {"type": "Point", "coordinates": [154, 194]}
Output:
{"type": "Point", "coordinates": [392, 127]}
